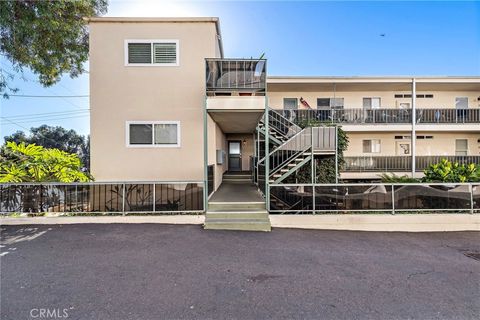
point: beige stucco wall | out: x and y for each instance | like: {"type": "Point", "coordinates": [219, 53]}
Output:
{"type": "Point", "coordinates": [122, 93]}
{"type": "Point", "coordinates": [354, 99]}
{"type": "Point", "coordinates": [443, 143]}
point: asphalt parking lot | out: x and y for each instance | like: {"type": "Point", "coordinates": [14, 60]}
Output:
{"type": "Point", "coordinates": [153, 271]}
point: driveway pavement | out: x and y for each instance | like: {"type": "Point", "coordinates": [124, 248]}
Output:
{"type": "Point", "coordinates": [152, 271]}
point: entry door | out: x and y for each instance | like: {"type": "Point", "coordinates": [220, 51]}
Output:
{"type": "Point", "coordinates": [234, 156]}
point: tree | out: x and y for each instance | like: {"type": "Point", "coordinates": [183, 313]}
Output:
{"type": "Point", "coordinates": [48, 37]}
{"type": "Point", "coordinates": [32, 163]}
{"type": "Point", "coordinates": [58, 138]}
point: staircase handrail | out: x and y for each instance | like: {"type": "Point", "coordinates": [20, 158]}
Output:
{"type": "Point", "coordinates": [291, 125]}
{"type": "Point", "coordinates": [292, 139]}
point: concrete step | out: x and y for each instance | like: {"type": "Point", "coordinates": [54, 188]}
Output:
{"type": "Point", "coordinates": [236, 214]}
{"type": "Point", "coordinates": [240, 206]}
{"type": "Point", "coordinates": [237, 177]}
{"type": "Point", "coordinates": [237, 181]}
{"type": "Point", "coordinates": [238, 224]}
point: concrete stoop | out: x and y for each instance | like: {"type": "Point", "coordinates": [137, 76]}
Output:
{"type": "Point", "coordinates": [244, 216]}
{"type": "Point", "coordinates": [237, 178]}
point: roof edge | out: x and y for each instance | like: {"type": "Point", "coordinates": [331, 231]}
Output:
{"type": "Point", "coordinates": [151, 19]}
{"type": "Point", "coordinates": [373, 77]}
{"type": "Point", "coordinates": [215, 20]}
{"type": "Point", "coordinates": [386, 78]}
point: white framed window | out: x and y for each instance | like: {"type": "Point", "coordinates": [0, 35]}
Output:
{"type": "Point", "coordinates": [329, 103]}
{"type": "Point", "coordinates": [290, 104]}
{"type": "Point", "coordinates": [372, 103]}
{"type": "Point", "coordinates": [371, 146]}
{"type": "Point", "coordinates": [141, 134]}
{"type": "Point", "coordinates": [461, 147]}
{"type": "Point", "coordinates": [158, 52]}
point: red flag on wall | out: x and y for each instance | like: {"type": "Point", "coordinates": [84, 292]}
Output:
{"type": "Point", "coordinates": [305, 103]}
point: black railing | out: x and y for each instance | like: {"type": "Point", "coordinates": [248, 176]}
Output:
{"type": "Point", "coordinates": [211, 179]}
{"type": "Point", "coordinates": [384, 116]}
{"type": "Point", "coordinates": [242, 75]}
{"type": "Point", "coordinates": [399, 163]}
{"type": "Point", "coordinates": [372, 198]}
{"type": "Point", "coordinates": [102, 198]}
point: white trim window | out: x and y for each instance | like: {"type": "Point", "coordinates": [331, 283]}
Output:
{"type": "Point", "coordinates": [160, 53]}
{"type": "Point", "coordinates": [329, 103]}
{"type": "Point", "coordinates": [371, 146]}
{"type": "Point", "coordinates": [372, 103]}
{"type": "Point", "coordinates": [461, 147]}
{"type": "Point", "coordinates": [142, 134]}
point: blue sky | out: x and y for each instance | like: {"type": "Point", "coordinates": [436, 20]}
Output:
{"type": "Point", "coordinates": [298, 38]}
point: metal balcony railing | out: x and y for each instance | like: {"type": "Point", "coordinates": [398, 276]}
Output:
{"type": "Point", "coordinates": [399, 163]}
{"type": "Point", "coordinates": [245, 76]}
{"type": "Point", "coordinates": [102, 198]}
{"type": "Point", "coordinates": [374, 198]}
{"type": "Point", "coordinates": [448, 115]}
{"type": "Point", "coordinates": [384, 116]}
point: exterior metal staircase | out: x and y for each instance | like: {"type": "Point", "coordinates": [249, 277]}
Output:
{"type": "Point", "coordinates": [281, 129]}
{"type": "Point", "coordinates": [291, 155]}
{"type": "Point", "coordinates": [294, 147]}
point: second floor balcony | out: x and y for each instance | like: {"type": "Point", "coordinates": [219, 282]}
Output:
{"type": "Point", "coordinates": [385, 115]}
{"type": "Point", "coordinates": [235, 77]}
{"type": "Point", "coordinates": [400, 163]}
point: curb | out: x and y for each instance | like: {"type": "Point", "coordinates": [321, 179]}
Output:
{"type": "Point", "coordinates": [170, 219]}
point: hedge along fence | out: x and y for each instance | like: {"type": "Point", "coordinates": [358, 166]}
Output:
{"type": "Point", "coordinates": [375, 198]}
{"type": "Point", "coordinates": [103, 198]}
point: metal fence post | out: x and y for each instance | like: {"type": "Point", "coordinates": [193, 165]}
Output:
{"type": "Point", "coordinates": [470, 187]}
{"type": "Point", "coordinates": [336, 154]}
{"type": "Point", "coordinates": [267, 155]}
{"type": "Point", "coordinates": [123, 199]}
{"type": "Point", "coordinates": [312, 178]}
{"type": "Point", "coordinates": [313, 200]}
{"type": "Point", "coordinates": [393, 199]}
{"type": "Point", "coordinates": [205, 157]}
{"type": "Point", "coordinates": [154, 196]}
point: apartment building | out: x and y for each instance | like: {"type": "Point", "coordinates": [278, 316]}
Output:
{"type": "Point", "coordinates": [167, 105]}
{"type": "Point", "coordinates": [377, 114]}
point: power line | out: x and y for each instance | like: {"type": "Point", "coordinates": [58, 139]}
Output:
{"type": "Point", "coordinates": [46, 114]}
{"type": "Point", "coordinates": [44, 96]}
{"type": "Point", "coordinates": [13, 122]}
{"type": "Point", "coordinates": [50, 89]}
{"type": "Point", "coordinates": [43, 120]}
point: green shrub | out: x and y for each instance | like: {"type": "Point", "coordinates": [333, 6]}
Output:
{"type": "Point", "coordinates": [447, 171]}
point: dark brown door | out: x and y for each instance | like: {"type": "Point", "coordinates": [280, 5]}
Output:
{"type": "Point", "coordinates": [234, 156]}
